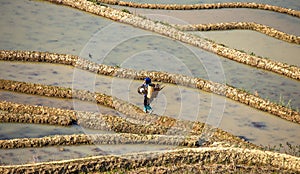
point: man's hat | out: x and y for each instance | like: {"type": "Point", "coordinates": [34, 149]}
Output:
{"type": "Point", "coordinates": [147, 80]}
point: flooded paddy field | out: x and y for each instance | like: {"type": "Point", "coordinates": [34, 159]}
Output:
{"type": "Point", "coordinates": [256, 43]}
{"type": "Point", "coordinates": [281, 22]}
{"type": "Point", "coordinates": [147, 50]}
{"type": "Point", "coordinates": [178, 102]}
{"type": "Point", "coordinates": [46, 154]}
{"type": "Point", "coordinates": [42, 26]}
{"type": "Point", "coordinates": [19, 130]}
{"type": "Point", "coordinates": [267, 85]}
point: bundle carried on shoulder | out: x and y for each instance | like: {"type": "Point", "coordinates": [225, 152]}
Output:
{"type": "Point", "coordinates": [149, 89]}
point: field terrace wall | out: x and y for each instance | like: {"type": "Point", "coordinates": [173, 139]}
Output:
{"type": "Point", "coordinates": [33, 118]}
{"type": "Point", "coordinates": [290, 71]}
{"type": "Point", "coordinates": [205, 85]}
{"type": "Point", "coordinates": [142, 123]}
{"type": "Point", "coordinates": [242, 26]}
{"type": "Point", "coordinates": [202, 156]}
{"type": "Point", "coordinates": [209, 168]}
{"type": "Point", "coordinates": [20, 113]}
{"type": "Point", "coordinates": [203, 6]}
{"type": "Point", "coordinates": [99, 139]}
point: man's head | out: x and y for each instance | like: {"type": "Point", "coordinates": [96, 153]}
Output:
{"type": "Point", "coordinates": [147, 80]}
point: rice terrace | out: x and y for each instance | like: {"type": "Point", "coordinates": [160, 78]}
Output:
{"type": "Point", "coordinates": [157, 86]}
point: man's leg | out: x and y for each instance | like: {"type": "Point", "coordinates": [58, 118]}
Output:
{"type": "Point", "coordinates": [145, 103]}
{"type": "Point", "coordinates": [148, 107]}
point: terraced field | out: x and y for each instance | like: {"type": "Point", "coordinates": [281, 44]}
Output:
{"type": "Point", "coordinates": [69, 70]}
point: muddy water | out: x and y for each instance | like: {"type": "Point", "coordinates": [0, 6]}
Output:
{"type": "Point", "coordinates": [158, 53]}
{"type": "Point", "coordinates": [102, 41]}
{"type": "Point", "coordinates": [282, 22]}
{"type": "Point", "coordinates": [41, 26]}
{"type": "Point", "coordinates": [18, 130]}
{"type": "Point", "coordinates": [265, 83]}
{"type": "Point", "coordinates": [37, 25]}
{"type": "Point", "coordinates": [257, 43]}
{"type": "Point", "coordinates": [35, 155]}
{"type": "Point", "coordinates": [175, 101]}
